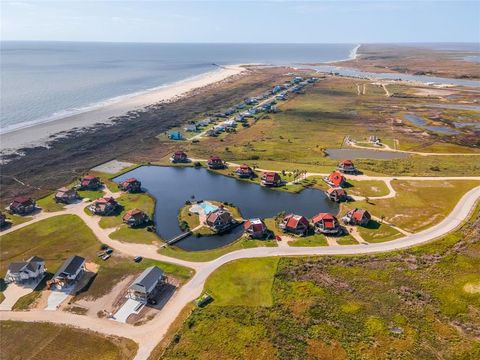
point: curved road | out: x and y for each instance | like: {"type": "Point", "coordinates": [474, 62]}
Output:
{"type": "Point", "coordinates": [149, 335]}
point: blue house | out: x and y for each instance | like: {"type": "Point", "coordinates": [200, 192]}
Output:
{"type": "Point", "coordinates": [175, 135]}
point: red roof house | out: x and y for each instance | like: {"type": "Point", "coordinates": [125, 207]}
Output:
{"type": "Point", "coordinates": [346, 166]}
{"type": "Point", "coordinates": [271, 179]}
{"type": "Point", "coordinates": [90, 182]}
{"type": "Point", "coordinates": [66, 195]}
{"type": "Point", "coordinates": [335, 179]}
{"type": "Point", "coordinates": [104, 206]}
{"type": "Point", "coordinates": [215, 163]}
{"type": "Point", "coordinates": [130, 185]}
{"type": "Point", "coordinates": [326, 223]}
{"type": "Point", "coordinates": [357, 217]}
{"type": "Point", "coordinates": [337, 194]}
{"type": "Point", "coordinates": [244, 171]}
{"type": "Point", "coordinates": [135, 217]}
{"type": "Point", "coordinates": [179, 157]}
{"type": "Point", "coordinates": [296, 224]}
{"type": "Point", "coordinates": [22, 205]}
{"type": "Point", "coordinates": [219, 220]}
{"type": "Point", "coordinates": [255, 228]}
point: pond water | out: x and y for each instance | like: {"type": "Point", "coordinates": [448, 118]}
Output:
{"type": "Point", "coordinates": [455, 106]}
{"type": "Point", "coordinates": [395, 76]}
{"type": "Point", "coordinates": [172, 186]}
{"type": "Point", "coordinates": [420, 122]}
{"type": "Point", "coordinates": [353, 154]}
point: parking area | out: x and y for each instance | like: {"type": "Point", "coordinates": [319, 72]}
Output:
{"type": "Point", "coordinates": [13, 292]}
{"type": "Point", "coordinates": [129, 308]}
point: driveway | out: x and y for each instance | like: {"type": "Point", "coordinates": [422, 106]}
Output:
{"type": "Point", "coordinates": [127, 309]}
{"type": "Point", "coordinates": [56, 298]}
{"type": "Point", "coordinates": [15, 292]}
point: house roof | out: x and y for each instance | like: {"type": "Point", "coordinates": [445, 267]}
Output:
{"type": "Point", "coordinates": [293, 221]}
{"type": "Point", "coordinates": [322, 216]}
{"type": "Point", "coordinates": [180, 153]}
{"type": "Point", "coordinates": [105, 200]}
{"type": "Point", "coordinates": [358, 214]}
{"type": "Point", "coordinates": [147, 279]}
{"type": "Point", "coordinates": [16, 267]}
{"type": "Point", "coordinates": [256, 225]}
{"type": "Point", "coordinates": [337, 190]}
{"type": "Point", "coordinates": [21, 200]}
{"type": "Point", "coordinates": [88, 177]}
{"type": "Point", "coordinates": [132, 214]}
{"type": "Point", "coordinates": [218, 214]}
{"type": "Point", "coordinates": [336, 178]}
{"type": "Point", "coordinates": [346, 163]}
{"type": "Point", "coordinates": [31, 264]}
{"type": "Point", "coordinates": [214, 159]}
{"type": "Point", "coordinates": [130, 180]}
{"type": "Point", "coordinates": [271, 176]}
{"type": "Point", "coordinates": [70, 266]}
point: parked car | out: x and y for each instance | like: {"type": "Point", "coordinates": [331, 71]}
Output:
{"type": "Point", "coordinates": [106, 257]}
{"type": "Point", "coordinates": [137, 259]}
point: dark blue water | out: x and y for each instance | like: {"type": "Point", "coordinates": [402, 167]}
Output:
{"type": "Point", "coordinates": [172, 186]}
{"type": "Point", "coordinates": [420, 122]}
{"type": "Point", "coordinates": [43, 81]}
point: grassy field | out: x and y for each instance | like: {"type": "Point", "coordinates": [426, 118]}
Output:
{"type": "Point", "coordinates": [310, 240]}
{"type": "Point", "coordinates": [420, 303]}
{"type": "Point", "coordinates": [207, 255]}
{"type": "Point", "coordinates": [418, 204]}
{"type": "Point", "coordinates": [128, 202]}
{"type": "Point", "coordinates": [22, 340]}
{"type": "Point", "coordinates": [52, 240]}
{"type": "Point", "coordinates": [377, 232]}
{"type": "Point", "coordinates": [246, 282]}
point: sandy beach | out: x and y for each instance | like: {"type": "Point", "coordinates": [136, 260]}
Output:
{"type": "Point", "coordinates": [39, 134]}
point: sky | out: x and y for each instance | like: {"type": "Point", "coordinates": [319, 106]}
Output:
{"type": "Point", "coordinates": [274, 21]}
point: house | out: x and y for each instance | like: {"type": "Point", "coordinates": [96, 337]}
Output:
{"type": "Point", "coordinates": [70, 271]}
{"type": "Point", "coordinates": [255, 229]}
{"type": "Point", "coordinates": [244, 171]}
{"type": "Point", "coordinates": [276, 89]}
{"type": "Point", "coordinates": [282, 97]}
{"type": "Point", "coordinates": [296, 224]}
{"type": "Point", "coordinates": [131, 185]}
{"type": "Point", "coordinates": [179, 157]}
{"type": "Point", "coordinates": [212, 133]}
{"type": "Point", "coordinates": [357, 217]}
{"type": "Point", "coordinates": [297, 79]}
{"type": "Point", "coordinates": [3, 220]}
{"type": "Point", "coordinates": [204, 122]}
{"type": "Point", "coordinates": [271, 179]}
{"type": "Point", "coordinates": [32, 269]}
{"type": "Point", "coordinates": [230, 111]}
{"type": "Point", "coordinates": [230, 123]}
{"type": "Point", "coordinates": [104, 206]}
{"type": "Point", "coordinates": [215, 163]}
{"type": "Point", "coordinates": [66, 196]}
{"type": "Point", "coordinates": [147, 284]}
{"type": "Point", "coordinates": [22, 205]}
{"type": "Point", "coordinates": [325, 223]}
{"type": "Point", "coordinates": [335, 179]}
{"type": "Point", "coordinates": [175, 135]}
{"type": "Point", "coordinates": [90, 182]}
{"type": "Point", "coordinates": [190, 127]}
{"type": "Point", "coordinates": [240, 118]}
{"type": "Point", "coordinates": [337, 194]}
{"type": "Point", "coordinates": [346, 166]}
{"type": "Point", "coordinates": [251, 101]}
{"type": "Point", "coordinates": [219, 220]}
{"type": "Point", "coordinates": [219, 128]}
{"type": "Point", "coordinates": [135, 217]}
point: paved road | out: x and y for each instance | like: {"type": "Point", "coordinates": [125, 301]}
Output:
{"type": "Point", "coordinates": [150, 334]}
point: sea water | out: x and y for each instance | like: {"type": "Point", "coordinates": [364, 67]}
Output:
{"type": "Point", "coordinates": [43, 81]}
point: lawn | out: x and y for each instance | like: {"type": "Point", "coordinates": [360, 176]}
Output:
{"type": "Point", "coordinates": [49, 204]}
{"type": "Point", "coordinates": [310, 240]}
{"type": "Point", "coordinates": [388, 306]}
{"type": "Point", "coordinates": [23, 340]}
{"type": "Point", "coordinates": [418, 204]}
{"type": "Point", "coordinates": [139, 235]}
{"type": "Point", "coordinates": [245, 282]}
{"type": "Point", "coordinates": [377, 232]}
{"type": "Point", "coordinates": [346, 240]}
{"type": "Point", "coordinates": [367, 188]}
{"type": "Point", "coordinates": [207, 255]}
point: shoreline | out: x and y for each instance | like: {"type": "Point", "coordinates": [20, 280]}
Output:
{"type": "Point", "coordinates": [39, 133]}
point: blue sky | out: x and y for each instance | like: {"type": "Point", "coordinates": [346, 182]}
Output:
{"type": "Point", "coordinates": [242, 21]}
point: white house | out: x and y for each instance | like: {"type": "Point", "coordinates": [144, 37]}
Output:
{"type": "Point", "coordinates": [70, 271]}
{"type": "Point", "coordinates": [32, 269]}
{"type": "Point", "coordinates": [190, 127]}
{"type": "Point", "coordinates": [147, 284]}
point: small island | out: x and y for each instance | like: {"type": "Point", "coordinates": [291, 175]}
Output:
{"type": "Point", "coordinates": [208, 217]}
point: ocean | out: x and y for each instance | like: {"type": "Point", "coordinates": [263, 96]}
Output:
{"type": "Point", "coordinates": [43, 81]}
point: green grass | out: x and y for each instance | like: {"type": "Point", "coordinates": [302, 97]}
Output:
{"type": "Point", "coordinates": [17, 219]}
{"type": "Point", "coordinates": [135, 235]}
{"type": "Point", "coordinates": [246, 282]}
{"type": "Point", "coordinates": [347, 307]}
{"type": "Point", "coordinates": [49, 204]}
{"type": "Point", "coordinates": [367, 188]}
{"type": "Point", "coordinates": [310, 240]}
{"type": "Point", "coordinates": [207, 255]}
{"type": "Point", "coordinates": [90, 194]}
{"type": "Point", "coordinates": [378, 232]}
{"type": "Point", "coordinates": [23, 340]}
{"type": "Point", "coordinates": [346, 240]}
